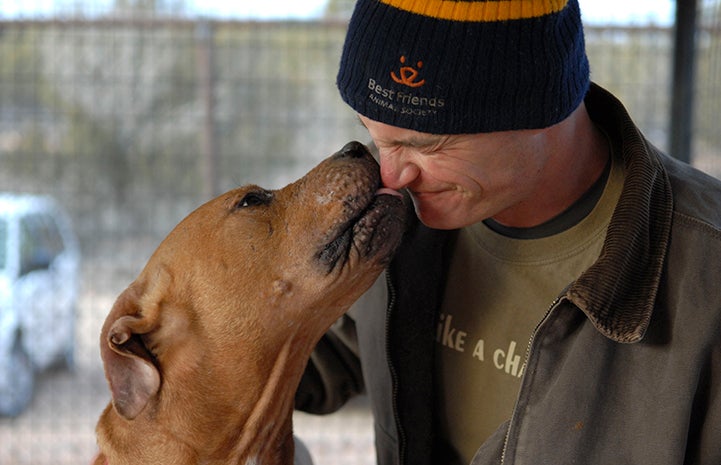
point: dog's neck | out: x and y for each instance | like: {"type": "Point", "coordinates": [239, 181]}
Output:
{"type": "Point", "coordinates": [268, 431]}
{"type": "Point", "coordinates": [259, 433]}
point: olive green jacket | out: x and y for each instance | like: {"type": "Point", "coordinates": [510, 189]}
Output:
{"type": "Point", "coordinates": [625, 367]}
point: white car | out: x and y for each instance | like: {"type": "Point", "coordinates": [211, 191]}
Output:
{"type": "Point", "coordinates": [39, 278]}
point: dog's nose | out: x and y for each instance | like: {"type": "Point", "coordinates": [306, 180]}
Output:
{"type": "Point", "coordinates": [353, 149]}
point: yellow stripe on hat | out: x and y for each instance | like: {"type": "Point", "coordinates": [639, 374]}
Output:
{"type": "Point", "coordinates": [479, 11]}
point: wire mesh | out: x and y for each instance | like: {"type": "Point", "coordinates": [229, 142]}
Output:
{"type": "Point", "coordinates": [131, 122]}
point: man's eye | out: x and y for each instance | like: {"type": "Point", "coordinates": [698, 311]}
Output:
{"type": "Point", "coordinates": [255, 199]}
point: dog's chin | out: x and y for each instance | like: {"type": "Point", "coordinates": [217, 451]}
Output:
{"type": "Point", "coordinates": [371, 236]}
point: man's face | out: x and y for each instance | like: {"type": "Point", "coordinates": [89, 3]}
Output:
{"type": "Point", "coordinates": [458, 180]}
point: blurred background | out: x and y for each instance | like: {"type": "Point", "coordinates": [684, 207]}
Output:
{"type": "Point", "coordinates": [130, 113]}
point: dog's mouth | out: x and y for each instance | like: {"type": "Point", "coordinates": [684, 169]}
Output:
{"type": "Point", "coordinates": [374, 232]}
{"type": "Point", "coordinates": [374, 228]}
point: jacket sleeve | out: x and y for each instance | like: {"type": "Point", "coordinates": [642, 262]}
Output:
{"type": "Point", "coordinates": [703, 443]}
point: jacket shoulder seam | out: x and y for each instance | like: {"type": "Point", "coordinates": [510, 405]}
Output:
{"type": "Point", "coordinates": [697, 223]}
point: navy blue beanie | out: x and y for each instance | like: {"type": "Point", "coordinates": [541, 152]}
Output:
{"type": "Point", "coordinates": [464, 66]}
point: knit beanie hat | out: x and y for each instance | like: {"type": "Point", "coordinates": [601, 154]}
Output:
{"type": "Point", "coordinates": [464, 66]}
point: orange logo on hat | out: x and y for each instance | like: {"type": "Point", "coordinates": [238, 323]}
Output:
{"type": "Point", "coordinates": [408, 75]}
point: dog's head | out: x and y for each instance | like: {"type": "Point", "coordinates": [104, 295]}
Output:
{"type": "Point", "coordinates": [246, 271]}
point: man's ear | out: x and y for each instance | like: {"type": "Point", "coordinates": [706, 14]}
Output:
{"type": "Point", "coordinates": [130, 367]}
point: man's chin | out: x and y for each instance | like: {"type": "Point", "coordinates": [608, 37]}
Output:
{"type": "Point", "coordinates": [445, 219]}
{"type": "Point", "coordinates": [438, 214]}
{"type": "Point", "coordinates": [437, 219]}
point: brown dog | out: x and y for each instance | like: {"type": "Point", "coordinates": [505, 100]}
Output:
{"type": "Point", "coordinates": [204, 351]}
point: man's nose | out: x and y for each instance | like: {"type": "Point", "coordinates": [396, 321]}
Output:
{"type": "Point", "coordinates": [398, 170]}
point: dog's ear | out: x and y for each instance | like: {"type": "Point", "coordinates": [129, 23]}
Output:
{"type": "Point", "coordinates": [130, 367]}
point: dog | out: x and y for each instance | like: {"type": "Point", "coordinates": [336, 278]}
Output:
{"type": "Point", "coordinates": [204, 351]}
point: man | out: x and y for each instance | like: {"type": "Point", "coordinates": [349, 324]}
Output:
{"type": "Point", "coordinates": [559, 302]}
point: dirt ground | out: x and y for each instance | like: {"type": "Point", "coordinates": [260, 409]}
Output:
{"type": "Point", "coordinates": [58, 427]}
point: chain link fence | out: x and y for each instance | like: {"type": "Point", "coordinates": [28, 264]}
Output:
{"type": "Point", "coordinates": [132, 122]}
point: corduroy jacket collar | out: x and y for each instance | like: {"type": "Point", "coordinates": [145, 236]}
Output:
{"type": "Point", "coordinates": [618, 292]}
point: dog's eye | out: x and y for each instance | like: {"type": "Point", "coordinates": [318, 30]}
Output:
{"type": "Point", "coordinates": [254, 199]}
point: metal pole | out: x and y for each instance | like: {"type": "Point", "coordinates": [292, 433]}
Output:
{"type": "Point", "coordinates": [684, 63]}
{"type": "Point", "coordinates": [209, 155]}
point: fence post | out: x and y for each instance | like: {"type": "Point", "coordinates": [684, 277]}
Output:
{"type": "Point", "coordinates": [204, 34]}
{"type": "Point", "coordinates": [684, 63]}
